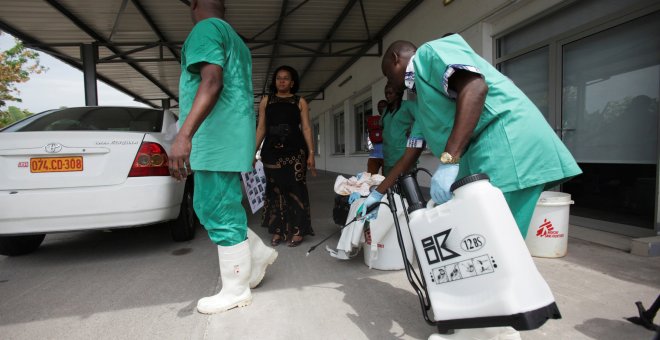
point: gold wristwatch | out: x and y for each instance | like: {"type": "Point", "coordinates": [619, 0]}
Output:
{"type": "Point", "coordinates": [447, 158]}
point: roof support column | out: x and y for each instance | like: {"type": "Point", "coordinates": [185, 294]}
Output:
{"type": "Point", "coordinates": [89, 54]}
{"type": "Point", "coordinates": [165, 103]}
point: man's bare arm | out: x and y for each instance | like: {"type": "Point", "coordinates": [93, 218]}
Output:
{"type": "Point", "coordinates": [207, 96]}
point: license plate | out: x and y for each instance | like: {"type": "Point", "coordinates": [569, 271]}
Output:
{"type": "Point", "coordinates": [56, 164]}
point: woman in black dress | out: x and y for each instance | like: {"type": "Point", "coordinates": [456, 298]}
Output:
{"type": "Point", "coordinates": [287, 153]}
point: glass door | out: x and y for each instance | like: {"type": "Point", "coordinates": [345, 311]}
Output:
{"type": "Point", "coordinates": [609, 121]}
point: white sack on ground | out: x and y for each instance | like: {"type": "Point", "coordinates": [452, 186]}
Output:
{"type": "Point", "coordinates": [345, 186]}
{"type": "Point", "coordinates": [352, 237]}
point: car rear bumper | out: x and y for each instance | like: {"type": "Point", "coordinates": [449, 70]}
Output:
{"type": "Point", "coordinates": [138, 201]}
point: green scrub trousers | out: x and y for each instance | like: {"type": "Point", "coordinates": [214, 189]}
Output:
{"type": "Point", "coordinates": [522, 204]}
{"type": "Point", "coordinates": [217, 202]}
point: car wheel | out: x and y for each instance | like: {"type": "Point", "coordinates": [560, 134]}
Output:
{"type": "Point", "coordinates": [20, 245]}
{"type": "Point", "coordinates": [183, 227]}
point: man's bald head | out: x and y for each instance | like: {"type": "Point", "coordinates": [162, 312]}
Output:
{"type": "Point", "coordinates": [402, 48]}
{"type": "Point", "coordinates": [395, 60]}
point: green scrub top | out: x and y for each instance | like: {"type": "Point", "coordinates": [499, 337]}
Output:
{"type": "Point", "coordinates": [226, 139]}
{"type": "Point", "coordinates": [396, 129]}
{"type": "Point", "coordinates": [512, 141]}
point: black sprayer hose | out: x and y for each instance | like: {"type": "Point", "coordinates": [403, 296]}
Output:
{"type": "Point", "coordinates": [369, 210]}
{"type": "Point", "coordinates": [425, 170]}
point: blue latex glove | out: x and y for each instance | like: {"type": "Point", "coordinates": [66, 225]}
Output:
{"type": "Point", "coordinates": [358, 175]}
{"type": "Point", "coordinates": [373, 198]}
{"type": "Point", "coordinates": [354, 196]}
{"type": "Point", "coordinates": [442, 180]}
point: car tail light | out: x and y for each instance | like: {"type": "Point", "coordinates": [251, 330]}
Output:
{"type": "Point", "coordinates": [151, 160]}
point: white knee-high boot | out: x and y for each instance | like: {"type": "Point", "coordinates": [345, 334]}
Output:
{"type": "Point", "coordinates": [235, 275]}
{"type": "Point", "coordinates": [262, 257]}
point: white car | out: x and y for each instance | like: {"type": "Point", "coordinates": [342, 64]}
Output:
{"type": "Point", "coordinates": [87, 168]}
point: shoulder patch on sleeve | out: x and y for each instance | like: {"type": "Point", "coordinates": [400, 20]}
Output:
{"type": "Point", "coordinates": [415, 143]}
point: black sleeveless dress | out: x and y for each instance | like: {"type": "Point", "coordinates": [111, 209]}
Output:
{"type": "Point", "coordinates": [284, 155]}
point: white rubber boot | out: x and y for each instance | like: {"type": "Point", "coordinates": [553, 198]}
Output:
{"type": "Point", "coordinates": [490, 333]}
{"type": "Point", "coordinates": [235, 275]}
{"type": "Point", "coordinates": [262, 257]}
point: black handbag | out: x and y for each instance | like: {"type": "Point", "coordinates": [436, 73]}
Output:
{"type": "Point", "coordinates": [340, 210]}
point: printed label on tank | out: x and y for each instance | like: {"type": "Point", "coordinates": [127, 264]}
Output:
{"type": "Point", "coordinates": [473, 242]}
{"type": "Point", "coordinates": [465, 269]}
{"type": "Point", "coordinates": [435, 248]}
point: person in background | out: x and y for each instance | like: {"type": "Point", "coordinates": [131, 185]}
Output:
{"type": "Point", "coordinates": [215, 140]}
{"type": "Point", "coordinates": [287, 153]}
{"type": "Point", "coordinates": [375, 129]}
{"type": "Point", "coordinates": [476, 121]}
{"type": "Point", "coordinates": [397, 123]}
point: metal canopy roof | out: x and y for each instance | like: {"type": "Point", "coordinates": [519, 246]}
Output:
{"type": "Point", "coordinates": [139, 41]}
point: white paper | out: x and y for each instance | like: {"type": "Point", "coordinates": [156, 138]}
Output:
{"type": "Point", "coordinates": [254, 184]}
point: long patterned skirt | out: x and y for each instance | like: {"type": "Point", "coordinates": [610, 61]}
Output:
{"type": "Point", "coordinates": [286, 207]}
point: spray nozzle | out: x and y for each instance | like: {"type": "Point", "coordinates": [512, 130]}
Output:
{"type": "Point", "coordinates": [358, 213]}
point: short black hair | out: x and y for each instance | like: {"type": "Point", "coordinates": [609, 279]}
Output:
{"type": "Point", "coordinates": [399, 93]}
{"type": "Point", "coordinates": [294, 78]}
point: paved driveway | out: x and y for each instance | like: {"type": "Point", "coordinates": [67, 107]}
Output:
{"type": "Point", "coordinates": [137, 284]}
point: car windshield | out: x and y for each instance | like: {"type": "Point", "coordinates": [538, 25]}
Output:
{"type": "Point", "coordinates": [93, 119]}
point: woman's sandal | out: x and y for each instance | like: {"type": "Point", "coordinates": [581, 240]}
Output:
{"type": "Point", "coordinates": [294, 242]}
{"type": "Point", "coordinates": [275, 241]}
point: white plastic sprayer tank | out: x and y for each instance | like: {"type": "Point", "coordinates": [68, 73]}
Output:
{"type": "Point", "coordinates": [477, 269]}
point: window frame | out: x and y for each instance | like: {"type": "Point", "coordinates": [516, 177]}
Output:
{"type": "Point", "coordinates": [360, 119]}
{"type": "Point", "coordinates": [339, 135]}
{"type": "Point", "coordinates": [316, 133]}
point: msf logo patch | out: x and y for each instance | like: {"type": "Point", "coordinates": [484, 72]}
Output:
{"type": "Point", "coordinates": [436, 249]}
{"type": "Point", "coordinates": [547, 230]}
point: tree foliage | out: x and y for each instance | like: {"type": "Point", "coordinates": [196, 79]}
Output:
{"type": "Point", "coordinates": [11, 115]}
{"type": "Point", "coordinates": [16, 66]}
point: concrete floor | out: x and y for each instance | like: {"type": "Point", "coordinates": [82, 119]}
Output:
{"type": "Point", "coordinates": [319, 297]}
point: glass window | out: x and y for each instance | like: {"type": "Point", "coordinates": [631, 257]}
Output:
{"type": "Point", "coordinates": [340, 146]}
{"type": "Point", "coordinates": [93, 118]}
{"type": "Point", "coordinates": [564, 19]}
{"type": "Point", "coordinates": [362, 111]}
{"type": "Point", "coordinates": [607, 96]}
{"type": "Point", "coordinates": [610, 90]}
{"type": "Point", "coordinates": [610, 94]}
{"type": "Point", "coordinates": [530, 73]}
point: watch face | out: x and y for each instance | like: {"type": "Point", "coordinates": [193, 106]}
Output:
{"type": "Point", "coordinates": [445, 158]}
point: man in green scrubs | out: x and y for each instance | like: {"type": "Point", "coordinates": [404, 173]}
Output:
{"type": "Point", "coordinates": [476, 121]}
{"type": "Point", "coordinates": [397, 123]}
{"type": "Point", "coordinates": [216, 139]}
